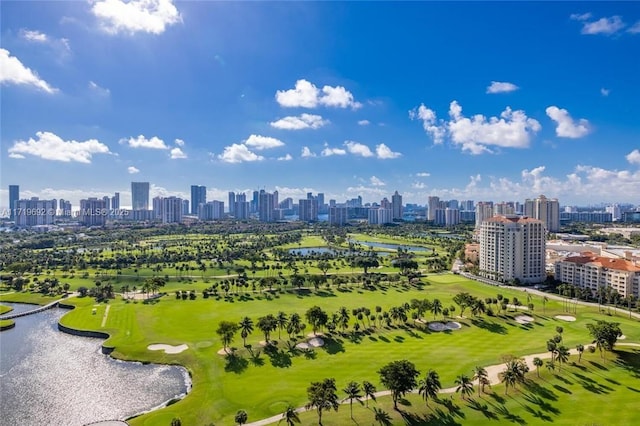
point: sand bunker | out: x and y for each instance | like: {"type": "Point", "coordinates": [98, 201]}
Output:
{"type": "Point", "coordinates": [223, 352]}
{"type": "Point", "coordinates": [318, 334]}
{"type": "Point", "coordinates": [303, 345]}
{"type": "Point", "coordinates": [622, 337]}
{"type": "Point", "coordinates": [524, 319]}
{"type": "Point", "coordinates": [565, 318]}
{"type": "Point", "coordinates": [316, 342]}
{"type": "Point", "coordinates": [438, 326]}
{"type": "Point", "coordinates": [168, 349]}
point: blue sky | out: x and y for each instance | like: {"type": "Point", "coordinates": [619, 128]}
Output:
{"type": "Point", "coordinates": [485, 101]}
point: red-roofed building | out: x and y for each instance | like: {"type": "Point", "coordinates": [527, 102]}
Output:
{"type": "Point", "coordinates": [593, 272]}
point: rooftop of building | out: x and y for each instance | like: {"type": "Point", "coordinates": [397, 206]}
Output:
{"type": "Point", "coordinates": [512, 219]}
{"type": "Point", "coordinates": [604, 262]}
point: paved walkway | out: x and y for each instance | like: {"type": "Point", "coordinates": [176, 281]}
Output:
{"type": "Point", "coordinates": [493, 373]}
{"type": "Point", "coordinates": [104, 317]}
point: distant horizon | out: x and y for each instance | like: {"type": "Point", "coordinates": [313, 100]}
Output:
{"type": "Point", "coordinates": [461, 100]}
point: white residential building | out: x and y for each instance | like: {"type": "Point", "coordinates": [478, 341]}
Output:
{"type": "Point", "coordinates": [512, 247]}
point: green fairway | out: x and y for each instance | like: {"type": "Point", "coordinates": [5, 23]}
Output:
{"type": "Point", "coordinates": [280, 377]}
{"type": "Point", "coordinates": [585, 393]}
{"type": "Point", "coordinates": [4, 309]}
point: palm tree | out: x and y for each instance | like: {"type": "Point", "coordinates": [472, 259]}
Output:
{"type": "Point", "coordinates": [290, 415]}
{"type": "Point", "coordinates": [562, 356]}
{"type": "Point", "coordinates": [369, 392]}
{"type": "Point", "coordinates": [464, 385]}
{"type": "Point", "coordinates": [353, 392]}
{"type": "Point", "coordinates": [322, 396]}
{"type": "Point", "coordinates": [267, 324]}
{"type": "Point", "coordinates": [241, 417]}
{"type": "Point", "coordinates": [436, 308]}
{"type": "Point", "coordinates": [580, 349]}
{"type": "Point", "coordinates": [246, 327]}
{"type": "Point", "coordinates": [514, 372]}
{"type": "Point", "coordinates": [343, 318]}
{"type": "Point", "coordinates": [545, 299]}
{"type": "Point", "coordinates": [480, 374]}
{"type": "Point", "coordinates": [509, 378]}
{"type": "Point", "coordinates": [282, 322]}
{"type": "Point", "coordinates": [294, 325]}
{"type": "Point", "coordinates": [429, 386]}
{"type": "Point", "coordinates": [537, 362]}
{"type": "Point", "coordinates": [226, 330]}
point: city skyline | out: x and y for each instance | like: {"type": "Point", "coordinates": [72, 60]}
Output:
{"type": "Point", "coordinates": [461, 101]}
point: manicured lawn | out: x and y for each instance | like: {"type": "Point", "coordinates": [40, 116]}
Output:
{"type": "Point", "coordinates": [280, 378]}
{"type": "Point", "coordinates": [6, 324]}
{"type": "Point", "coordinates": [4, 309]}
{"type": "Point", "coordinates": [27, 297]}
{"type": "Point", "coordinates": [589, 393]}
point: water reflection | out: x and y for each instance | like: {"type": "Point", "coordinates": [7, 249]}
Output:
{"type": "Point", "coordinates": [52, 378]}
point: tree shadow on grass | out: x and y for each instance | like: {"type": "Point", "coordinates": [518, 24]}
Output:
{"type": "Point", "coordinates": [562, 389]}
{"type": "Point", "coordinates": [333, 346]}
{"type": "Point", "coordinates": [630, 361]}
{"type": "Point", "coordinates": [507, 415]}
{"type": "Point", "coordinates": [279, 358]}
{"type": "Point", "coordinates": [490, 326]}
{"type": "Point", "coordinates": [541, 391]}
{"type": "Point", "coordinates": [235, 363]}
{"type": "Point", "coordinates": [541, 403]}
{"type": "Point", "coordinates": [439, 417]}
{"type": "Point", "coordinates": [454, 410]}
{"type": "Point", "coordinates": [598, 365]}
{"type": "Point", "coordinates": [483, 408]}
{"type": "Point", "coordinates": [562, 379]}
{"type": "Point", "coordinates": [538, 414]}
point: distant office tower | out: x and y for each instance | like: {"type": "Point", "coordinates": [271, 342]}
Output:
{"type": "Point", "coordinates": [35, 212]}
{"type": "Point", "coordinates": [512, 247]}
{"type": "Point", "coordinates": [484, 210]}
{"type": "Point", "coordinates": [433, 204]}
{"type": "Point", "coordinates": [380, 216]}
{"type": "Point", "coordinates": [172, 209]}
{"type": "Point", "coordinates": [14, 196]}
{"type": "Point", "coordinates": [322, 207]}
{"type": "Point", "coordinates": [384, 203]}
{"type": "Point", "coordinates": [467, 205]}
{"type": "Point", "coordinates": [185, 207]}
{"type": "Point", "coordinates": [614, 209]}
{"type": "Point", "coordinates": [232, 202]}
{"type": "Point", "coordinates": [115, 201]}
{"type": "Point", "coordinates": [93, 211]}
{"type": "Point", "coordinates": [213, 210]}
{"type": "Point", "coordinates": [140, 195]}
{"type": "Point", "coordinates": [440, 217]}
{"type": "Point", "coordinates": [198, 196]}
{"type": "Point", "coordinates": [157, 208]}
{"type": "Point", "coordinates": [64, 208]}
{"type": "Point", "coordinates": [255, 201]}
{"type": "Point", "coordinates": [451, 217]}
{"type": "Point", "coordinates": [287, 204]}
{"type": "Point", "coordinates": [266, 212]}
{"type": "Point", "coordinates": [308, 209]}
{"type": "Point", "coordinates": [504, 209]}
{"type": "Point", "coordinates": [107, 202]}
{"type": "Point", "coordinates": [544, 209]}
{"type": "Point", "coordinates": [242, 207]}
{"type": "Point", "coordinates": [396, 205]}
{"type": "Point", "coordinates": [453, 204]}
{"type": "Point", "coordinates": [338, 215]}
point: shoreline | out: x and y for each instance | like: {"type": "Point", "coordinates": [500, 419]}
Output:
{"type": "Point", "coordinates": [106, 350]}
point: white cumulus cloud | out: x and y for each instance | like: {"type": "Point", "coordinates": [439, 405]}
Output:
{"type": "Point", "coordinates": [357, 148]}
{"type": "Point", "coordinates": [306, 152]}
{"type": "Point", "coordinates": [513, 129]}
{"type": "Point", "coordinates": [33, 36]}
{"type": "Point", "coordinates": [287, 157]}
{"type": "Point", "coordinates": [364, 122]}
{"type": "Point", "coordinates": [12, 71]}
{"type": "Point", "coordinates": [148, 16]}
{"type": "Point", "coordinates": [501, 87]}
{"type": "Point", "coordinates": [239, 153]}
{"type": "Point", "coordinates": [133, 170]}
{"type": "Point", "coordinates": [142, 142]}
{"type": "Point", "coordinates": [177, 153]}
{"type": "Point", "coordinates": [179, 142]}
{"type": "Point", "coordinates": [418, 185]}
{"type": "Point", "coordinates": [423, 174]}
{"type": "Point", "coordinates": [263, 142]}
{"type": "Point", "coordinates": [375, 181]}
{"type": "Point", "coordinates": [607, 26]}
{"type": "Point", "coordinates": [634, 157]}
{"type": "Point", "coordinates": [328, 151]}
{"type": "Point", "coordinates": [566, 126]}
{"type": "Point", "coordinates": [635, 28]}
{"type": "Point", "coordinates": [605, 92]}
{"type": "Point", "coordinates": [384, 152]}
{"type": "Point", "coordinates": [307, 95]}
{"type": "Point", "coordinates": [49, 146]}
{"type": "Point", "coordinates": [303, 121]}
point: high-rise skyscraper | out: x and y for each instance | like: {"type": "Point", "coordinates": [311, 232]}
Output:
{"type": "Point", "coordinates": [433, 205]}
{"type": "Point", "coordinates": [198, 196]}
{"type": "Point", "coordinates": [140, 195]}
{"type": "Point", "coordinates": [93, 211]}
{"type": "Point", "coordinates": [396, 205]}
{"type": "Point", "coordinates": [512, 248]}
{"type": "Point", "coordinates": [14, 196]}
{"type": "Point", "coordinates": [115, 201]}
{"type": "Point", "coordinates": [232, 202]}
{"type": "Point", "coordinates": [545, 209]}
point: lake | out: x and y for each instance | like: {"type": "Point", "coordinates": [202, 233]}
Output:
{"type": "Point", "coordinates": [48, 377]}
